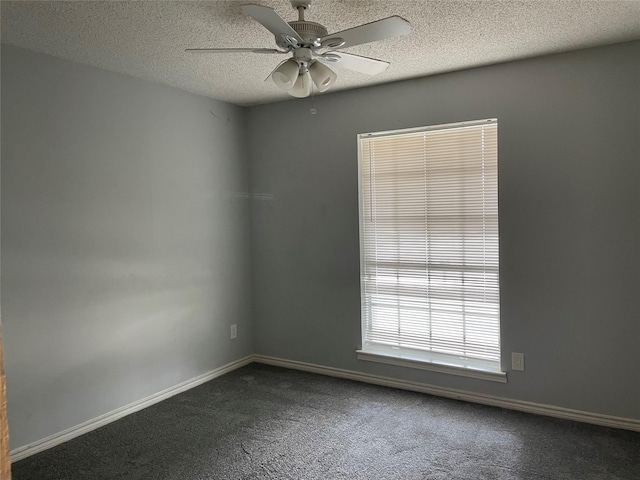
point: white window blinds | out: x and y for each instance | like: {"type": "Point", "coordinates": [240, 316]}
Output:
{"type": "Point", "coordinates": [429, 244]}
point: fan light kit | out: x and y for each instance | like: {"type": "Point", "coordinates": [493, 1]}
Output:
{"type": "Point", "coordinates": [312, 48]}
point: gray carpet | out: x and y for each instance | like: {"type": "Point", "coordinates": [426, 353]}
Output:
{"type": "Point", "coordinates": [262, 422]}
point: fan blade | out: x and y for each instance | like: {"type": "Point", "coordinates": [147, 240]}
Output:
{"type": "Point", "coordinates": [270, 20]}
{"type": "Point", "coordinates": [370, 32]}
{"type": "Point", "coordinates": [357, 63]}
{"type": "Point", "coordinates": [233, 50]}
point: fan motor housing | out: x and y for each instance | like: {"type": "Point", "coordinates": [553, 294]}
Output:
{"type": "Point", "coordinates": [309, 31]}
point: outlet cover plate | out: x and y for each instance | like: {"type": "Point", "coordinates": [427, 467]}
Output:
{"type": "Point", "coordinates": [517, 361]}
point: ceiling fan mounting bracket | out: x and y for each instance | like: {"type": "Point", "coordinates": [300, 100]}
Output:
{"type": "Point", "coordinates": [296, 4]}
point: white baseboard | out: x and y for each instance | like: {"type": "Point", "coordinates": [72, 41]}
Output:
{"type": "Point", "coordinates": [86, 427]}
{"type": "Point", "coordinates": [529, 407]}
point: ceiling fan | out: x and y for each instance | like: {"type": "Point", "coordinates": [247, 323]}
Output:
{"type": "Point", "coordinates": [312, 48]}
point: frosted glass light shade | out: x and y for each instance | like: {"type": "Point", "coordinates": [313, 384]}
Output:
{"type": "Point", "coordinates": [285, 75]}
{"type": "Point", "coordinates": [322, 76]}
{"type": "Point", "coordinates": [302, 87]}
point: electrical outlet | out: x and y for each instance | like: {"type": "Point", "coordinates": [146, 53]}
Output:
{"type": "Point", "coordinates": [234, 330]}
{"type": "Point", "coordinates": [517, 361]}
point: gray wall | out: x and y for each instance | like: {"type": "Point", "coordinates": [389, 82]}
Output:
{"type": "Point", "coordinates": [124, 240]}
{"type": "Point", "coordinates": [125, 231]}
{"type": "Point", "coordinates": [569, 137]}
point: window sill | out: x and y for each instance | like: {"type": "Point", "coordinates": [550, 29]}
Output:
{"type": "Point", "coordinates": [433, 366]}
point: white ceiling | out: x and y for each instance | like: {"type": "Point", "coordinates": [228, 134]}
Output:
{"type": "Point", "coordinates": [146, 39]}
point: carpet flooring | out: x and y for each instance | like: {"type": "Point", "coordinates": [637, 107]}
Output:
{"type": "Point", "coordinates": [263, 422]}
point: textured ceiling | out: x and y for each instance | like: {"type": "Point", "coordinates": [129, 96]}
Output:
{"type": "Point", "coordinates": [146, 39]}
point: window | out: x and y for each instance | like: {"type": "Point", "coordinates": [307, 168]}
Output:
{"type": "Point", "coordinates": [429, 248]}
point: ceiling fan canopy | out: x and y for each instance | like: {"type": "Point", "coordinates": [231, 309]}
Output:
{"type": "Point", "coordinates": [312, 48]}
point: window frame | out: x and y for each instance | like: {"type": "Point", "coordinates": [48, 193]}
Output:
{"type": "Point", "coordinates": [425, 360]}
